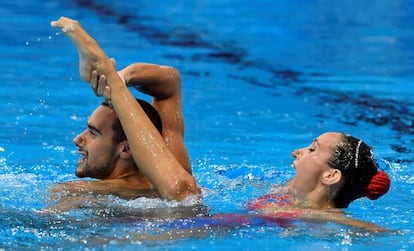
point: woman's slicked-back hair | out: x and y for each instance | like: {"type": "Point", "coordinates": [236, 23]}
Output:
{"type": "Point", "coordinates": [356, 162]}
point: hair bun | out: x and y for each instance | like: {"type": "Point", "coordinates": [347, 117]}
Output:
{"type": "Point", "coordinates": [379, 185]}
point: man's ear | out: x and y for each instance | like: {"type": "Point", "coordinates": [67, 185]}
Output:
{"type": "Point", "coordinates": [331, 176]}
{"type": "Point", "coordinates": [125, 152]}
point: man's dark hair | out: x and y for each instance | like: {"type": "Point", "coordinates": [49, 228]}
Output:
{"type": "Point", "coordinates": [119, 134]}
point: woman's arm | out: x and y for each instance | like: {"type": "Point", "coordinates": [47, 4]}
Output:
{"type": "Point", "coordinates": [338, 217]}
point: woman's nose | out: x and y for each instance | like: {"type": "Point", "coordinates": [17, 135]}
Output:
{"type": "Point", "coordinates": [296, 153]}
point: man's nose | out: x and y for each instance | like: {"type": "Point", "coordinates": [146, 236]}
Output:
{"type": "Point", "coordinates": [79, 140]}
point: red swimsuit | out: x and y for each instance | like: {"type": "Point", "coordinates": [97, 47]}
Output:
{"type": "Point", "coordinates": [266, 201]}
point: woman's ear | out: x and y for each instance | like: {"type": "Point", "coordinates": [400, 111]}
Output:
{"type": "Point", "coordinates": [125, 152]}
{"type": "Point", "coordinates": [331, 176]}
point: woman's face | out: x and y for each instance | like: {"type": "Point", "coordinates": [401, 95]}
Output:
{"type": "Point", "coordinates": [312, 161]}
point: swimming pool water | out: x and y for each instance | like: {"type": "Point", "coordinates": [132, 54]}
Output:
{"type": "Point", "coordinates": [260, 78]}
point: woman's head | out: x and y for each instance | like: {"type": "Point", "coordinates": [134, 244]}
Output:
{"type": "Point", "coordinates": [359, 171]}
{"type": "Point", "coordinates": [313, 173]}
{"type": "Point", "coordinates": [337, 169]}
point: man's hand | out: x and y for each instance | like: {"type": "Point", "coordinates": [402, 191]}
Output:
{"type": "Point", "coordinates": [100, 86]}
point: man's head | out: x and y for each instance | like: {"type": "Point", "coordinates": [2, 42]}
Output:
{"type": "Point", "coordinates": [119, 134]}
{"type": "Point", "coordinates": [103, 145]}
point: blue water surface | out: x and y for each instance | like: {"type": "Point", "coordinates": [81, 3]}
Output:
{"type": "Point", "coordinates": [260, 78]}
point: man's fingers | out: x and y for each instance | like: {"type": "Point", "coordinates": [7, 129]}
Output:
{"type": "Point", "coordinates": [101, 85]}
{"type": "Point", "coordinates": [94, 81]}
{"type": "Point", "coordinates": [66, 24]}
{"type": "Point", "coordinates": [98, 83]}
{"type": "Point", "coordinates": [107, 93]}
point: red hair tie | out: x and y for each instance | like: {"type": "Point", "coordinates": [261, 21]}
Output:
{"type": "Point", "coordinates": [379, 185]}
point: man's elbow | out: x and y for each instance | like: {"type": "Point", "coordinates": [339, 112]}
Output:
{"type": "Point", "coordinates": [182, 189]}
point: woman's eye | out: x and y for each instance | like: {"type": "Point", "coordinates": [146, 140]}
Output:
{"type": "Point", "coordinates": [311, 150]}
